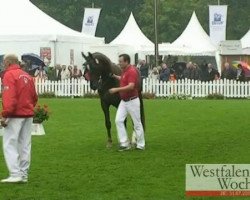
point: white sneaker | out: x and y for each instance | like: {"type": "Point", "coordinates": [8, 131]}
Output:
{"type": "Point", "coordinates": [12, 180]}
{"type": "Point", "coordinates": [140, 148]}
{"type": "Point", "coordinates": [133, 139]}
{"type": "Point", "coordinates": [126, 148]}
{"type": "Point", "coordinates": [24, 180]}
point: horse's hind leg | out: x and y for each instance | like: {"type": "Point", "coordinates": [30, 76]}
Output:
{"type": "Point", "coordinates": [125, 122]}
{"type": "Point", "coordinates": [105, 109]}
{"type": "Point", "coordinates": [133, 137]}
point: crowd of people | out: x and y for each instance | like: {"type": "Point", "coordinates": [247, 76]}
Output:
{"type": "Point", "coordinates": [192, 71]}
{"type": "Point", "coordinates": [62, 72]}
{"type": "Point", "coordinates": [58, 73]}
{"type": "Point", "coordinates": [165, 72]}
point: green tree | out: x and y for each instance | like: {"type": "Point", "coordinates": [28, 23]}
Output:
{"type": "Point", "coordinates": [112, 19]}
{"type": "Point", "coordinates": [173, 15]}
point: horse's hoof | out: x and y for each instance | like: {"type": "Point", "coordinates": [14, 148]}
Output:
{"type": "Point", "coordinates": [109, 145]}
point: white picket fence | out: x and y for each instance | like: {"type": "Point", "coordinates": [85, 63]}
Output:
{"type": "Point", "coordinates": [228, 88]}
{"type": "Point", "coordinates": [67, 88]}
{"type": "Point", "coordinates": [80, 87]}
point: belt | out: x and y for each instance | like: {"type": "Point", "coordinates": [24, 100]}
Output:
{"type": "Point", "coordinates": [130, 99]}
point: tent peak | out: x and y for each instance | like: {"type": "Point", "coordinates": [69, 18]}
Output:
{"type": "Point", "coordinates": [132, 35]}
{"type": "Point", "coordinates": [194, 37]}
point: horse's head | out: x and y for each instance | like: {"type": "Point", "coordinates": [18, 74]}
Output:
{"type": "Point", "coordinates": [93, 70]}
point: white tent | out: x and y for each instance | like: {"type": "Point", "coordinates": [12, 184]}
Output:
{"type": "Point", "coordinates": [113, 51]}
{"type": "Point", "coordinates": [194, 40]}
{"type": "Point", "coordinates": [245, 41]}
{"type": "Point", "coordinates": [132, 35]}
{"type": "Point", "coordinates": [164, 49]}
{"type": "Point", "coordinates": [25, 29]}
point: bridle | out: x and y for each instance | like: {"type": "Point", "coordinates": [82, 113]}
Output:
{"type": "Point", "coordinates": [101, 80]}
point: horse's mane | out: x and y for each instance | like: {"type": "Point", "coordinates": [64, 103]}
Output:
{"type": "Point", "coordinates": [106, 62]}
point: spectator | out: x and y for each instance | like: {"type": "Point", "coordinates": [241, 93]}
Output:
{"type": "Point", "coordinates": [240, 73]}
{"type": "Point", "coordinates": [159, 68]}
{"type": "Point", "coordinates": [165, 73]}
{"type": "Point", "coordinates": [228, 72]}
{"type": "Point", "coordinates": [179, 72]}
{"type": "Point", "coordinates": [76, 73]}
{"type": "Point", "coordinates": [138, 66]}
{"type": "Point", "coordinates": [196, 72]}
{"type": "Point", "coordinates": [211, 72]}
{"type": "Point", "coordinates": [203, 71]}
{"type": "Point", "coordinates": [217, 76]}
{"type": "Point", "coordinates": [144, 69]}
{"type": "Point", "coordinates": [70, 70]}
{"type": "Point", "coordinates": [172, 76]}
{"type": "Point", "coordinates": [58, 72]}
{"type": "Point", "coordinates": [154, 74]}
{"type": "Point", "coordinates": [40, 73]}
{"type": "Point", "coordinates": [65, 73]}
{"type": "Point", "coordinates": [188, 70]}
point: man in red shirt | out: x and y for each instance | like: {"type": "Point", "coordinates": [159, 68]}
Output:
{"type": "Point", "coordinates": [18, 98]}
{"type": "Point", "coordinates": [130, 104]}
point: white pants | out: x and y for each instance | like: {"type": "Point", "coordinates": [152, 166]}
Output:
{"type": "Point", "coordinates": [133, 109]}
{"type": "Point", "coordinates": [17, 146]}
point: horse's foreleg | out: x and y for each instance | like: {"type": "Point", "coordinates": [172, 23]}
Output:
{"type": "Point", "coordinates": [105, 109]}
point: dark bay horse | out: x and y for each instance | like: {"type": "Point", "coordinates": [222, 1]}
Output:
{"type": "Point", "coordinates": [99, 69]}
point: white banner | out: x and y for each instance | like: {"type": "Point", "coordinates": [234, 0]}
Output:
{"type": "Point", "coordinates": [90, 20]}
{"type": "Point", "coordinates": [217, 23]}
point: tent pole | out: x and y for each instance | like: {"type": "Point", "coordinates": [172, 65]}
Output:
{"type": "Point", "coordinates": [156, 33]}
{"type": "Point", "coordinates": [55, 53]}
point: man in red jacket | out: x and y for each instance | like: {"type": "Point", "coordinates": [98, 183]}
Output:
{"type": "Point", "coordinates": [19, 98]}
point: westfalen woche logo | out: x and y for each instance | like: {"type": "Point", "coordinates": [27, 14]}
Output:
{"type": "Point", "coordinates": [90, 21]}
{"type": "Point", "coordinates": [218, 180]}
{"type": "Point", "coordinates": [217, 19]}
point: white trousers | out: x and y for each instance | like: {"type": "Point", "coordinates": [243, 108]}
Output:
{"type": "Point", "coordinates": [17, 146]}
{"type": "Point", "coordinates": [133, 109]}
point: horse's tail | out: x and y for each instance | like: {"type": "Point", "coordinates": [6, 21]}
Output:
{"type": "Point", "coordinates": [140, 83]}
{"type": "Point", "coordinates": [142, 111]}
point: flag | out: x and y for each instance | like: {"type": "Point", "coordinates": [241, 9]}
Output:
{"type": "Point", "coordinates": [217, 23]}
{"type": "Point", "coordinates": [90, 20]}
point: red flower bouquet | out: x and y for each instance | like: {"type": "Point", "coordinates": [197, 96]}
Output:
{"type": "Point", "coordinates": [41, 114]}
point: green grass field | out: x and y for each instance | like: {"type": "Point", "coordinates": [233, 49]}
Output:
{"type": "Point", "coordinates": [72, 162]}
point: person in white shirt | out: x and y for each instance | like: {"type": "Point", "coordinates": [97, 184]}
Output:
{"type": "Point", "coordinates": [154, 74]}
{"type": "Point", "coordinates": [65, 73]}
{"type": "Point", "coordinates": [40, 73]}
{"type": "Point", "coordinates": [77, 73]}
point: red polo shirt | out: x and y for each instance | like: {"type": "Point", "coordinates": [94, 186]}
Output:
{"type": "Point", "coordinates": [129, 75]}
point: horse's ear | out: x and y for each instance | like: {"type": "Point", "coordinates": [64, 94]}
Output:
{"type": "Point", "coordinates": [90, 55]}
{"type": "Point", "coordinates": [83, 55]}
